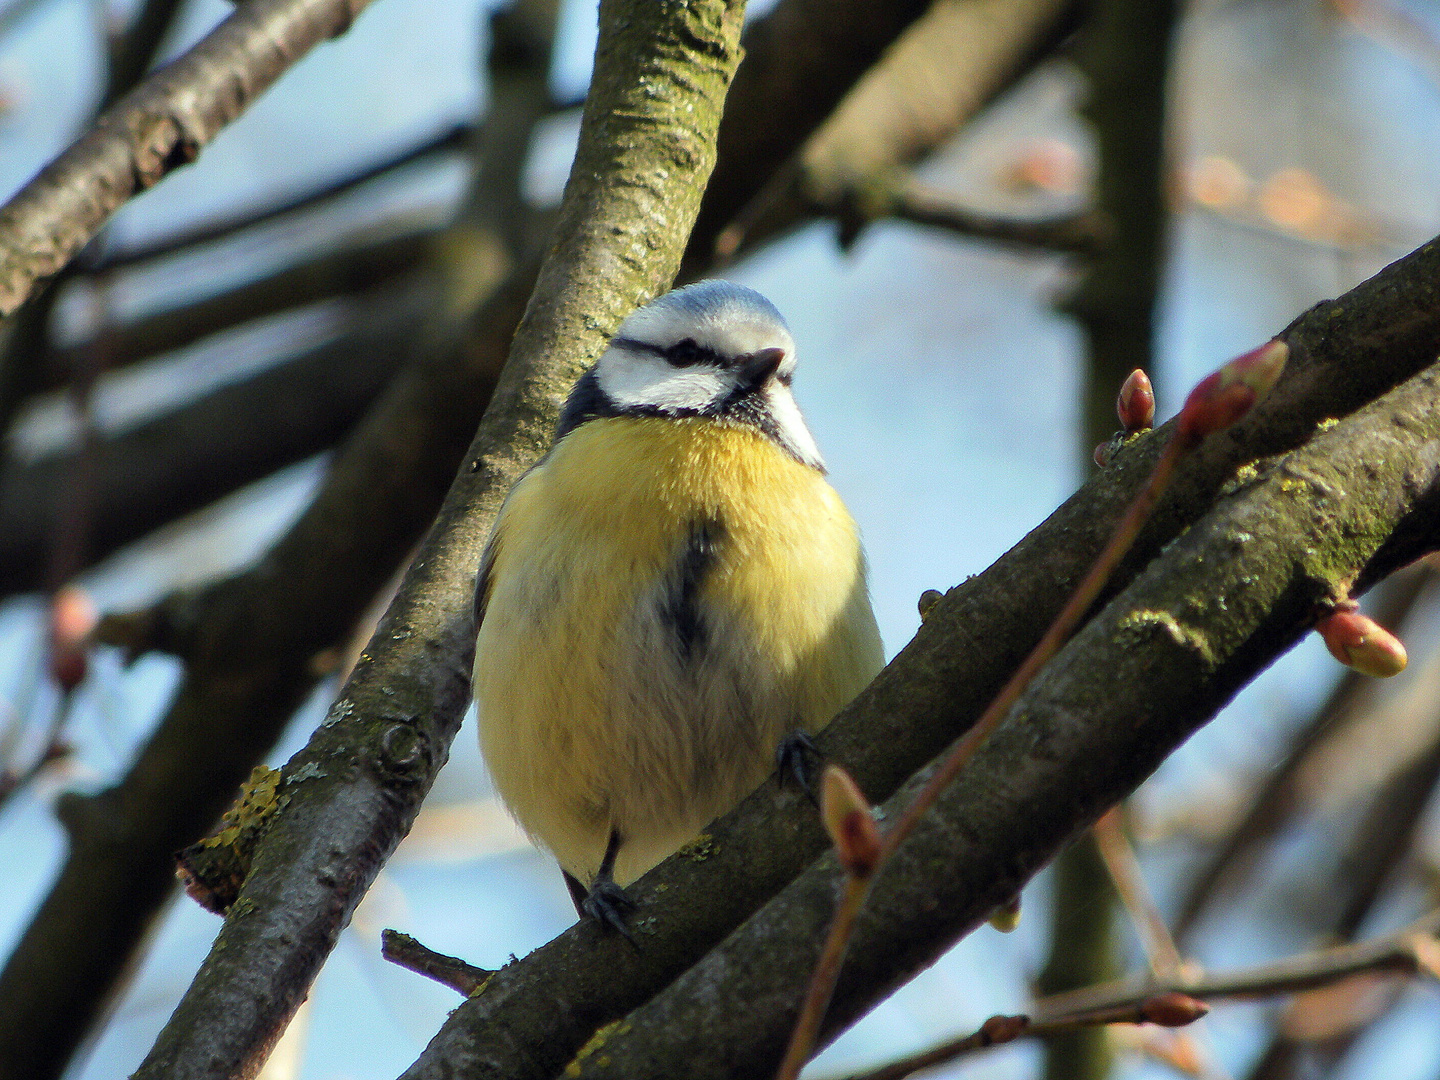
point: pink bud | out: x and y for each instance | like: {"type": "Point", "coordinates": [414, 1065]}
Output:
{"type": "Point", "coordinates": [1224, 396]}
{"type": "Point", "coordinates": [72, 617]}
{"type": "Point", "coordinates": [1136, 404]}
{"type": "Point", "coordinates": [846, 814]}
{"type": "Point", "coordinates": [1359, 642]}
{"type": "Point", "coordinates": [1002, 1029]}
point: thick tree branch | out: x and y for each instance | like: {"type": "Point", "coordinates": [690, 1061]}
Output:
{"type": "Point", "coordinates": [159, 126]}
{"type": "Point", "coordinates": [646, 149]}
{"type": "Point", "coordinates": [1216, 607]}
{"type": "Point", "coordinates": [1343, 354]}
{"type": "Point", "coordinates": [382, 490]}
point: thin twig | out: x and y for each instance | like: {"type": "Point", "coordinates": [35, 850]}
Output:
{"type": "Point", "coordinates": [822, 983]}
{"type": "Point", "coordinates": [453, 972]}
{"type": "Point", "coordinates": [1410, 950]}
{"type": "Point", "coordinates": [1124, 869]}
{"type": "Point", "coordinates": [1166, 1009]}
{"type": "Point", "coordinates": [452, 138]}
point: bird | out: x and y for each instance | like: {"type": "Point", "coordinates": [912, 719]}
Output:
{"type": "Point", "coordinates": [672, 593]}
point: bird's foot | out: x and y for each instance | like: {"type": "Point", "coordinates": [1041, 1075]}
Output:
{"type": "Point", "coordinates": [798, 760]}
{"type": "Point", "coordinates": [608, 905]}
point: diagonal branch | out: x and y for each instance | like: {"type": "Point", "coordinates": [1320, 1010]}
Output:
{"type": "Point", "coordinates": [157, 127]}
{"type": "Point", "coordinates": [646, 149]}
{"type": "Point", "coordinates": [1215, 608]}
{"type": "Point", "coordinates": [1343, 354]}
{"type": "Point", "coordinates": [249, 638]}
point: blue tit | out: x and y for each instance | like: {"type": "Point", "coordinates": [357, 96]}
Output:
{"type": "Point", "coordinates": [671, 592]}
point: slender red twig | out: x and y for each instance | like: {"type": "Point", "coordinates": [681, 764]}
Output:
{"type": "Point", "coordinates": [1217, 402]}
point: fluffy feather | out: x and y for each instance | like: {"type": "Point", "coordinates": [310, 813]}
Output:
{"type": "Point", "coordinates": [594, 713]}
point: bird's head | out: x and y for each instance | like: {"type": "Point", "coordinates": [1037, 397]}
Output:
{"type": "Point", "coordinates": [713, 349]}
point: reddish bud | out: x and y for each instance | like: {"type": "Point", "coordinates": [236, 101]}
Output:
{"type": "Point", "coordinates": [1224, 396]}
{"type": "Point", "coordinates": [1002, 1029]}
{"type": "Point", "coordinates": [846, 814]}
{"type": "Point", "coordinates": [72, 618]}
{"type": "Point", "coordinates": [1136, 403]}
{"type": "Point", "coordinates": [1359, 642]}
{"type": "Point", "coordinates": [1172, 1009]}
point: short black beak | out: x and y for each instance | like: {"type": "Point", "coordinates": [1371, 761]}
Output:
{"type": "Point", "coordinates": [759, 367]}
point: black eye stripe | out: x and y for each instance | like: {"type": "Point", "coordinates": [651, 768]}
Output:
{"type": "Point", "coordinates": [684, 353]}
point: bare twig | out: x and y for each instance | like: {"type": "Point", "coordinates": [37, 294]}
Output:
{"type": "Point", "coordinates": [1165, 1009]}
{"type": "Point", "coordinates": [450, 139]}
{"type": "Point", "coordinates": [1411, 950]}
{"type": "Point", "coordinates": [465, 979]}
{"type": "Point", "coordinates": [901, 197]}
{"type": "Point", "coordinates": [1199, 418]}
{"type": "Point", "coordinates": [1124, 869]}
{"type": "Point", "coordinates": [159, 126]}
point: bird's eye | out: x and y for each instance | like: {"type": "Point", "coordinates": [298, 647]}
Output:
{"type": "Point", "coordinates": [684, 353]}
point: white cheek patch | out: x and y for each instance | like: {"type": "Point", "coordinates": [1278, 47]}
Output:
{"type": "Point", "coordinates": [791, 425]}
{"type": "Point", "coordinates": [633, 380]}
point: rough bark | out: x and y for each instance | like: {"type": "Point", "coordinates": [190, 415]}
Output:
{"type": "Point", "coordinates": [157, 127]}
{"type": "Point", "coordinates": [245, 634]}
{"type": "Point", "coordinates": [646, 149]}
{"type": "Point", "coordinates": [1212, 611]}
{"type": "Point", "coordinates": [1124, 53]}
{"type": "Point", "coordinates": [536, 1013]}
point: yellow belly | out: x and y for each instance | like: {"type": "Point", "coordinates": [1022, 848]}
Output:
{"type": "Point", "coordinates": [591, 717]}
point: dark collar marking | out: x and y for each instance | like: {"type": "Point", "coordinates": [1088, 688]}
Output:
{"type": "Point", "coordinates": [680, 609]}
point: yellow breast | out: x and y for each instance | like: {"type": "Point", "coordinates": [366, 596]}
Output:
{"type": "Point", "coordinates": [589, 716]}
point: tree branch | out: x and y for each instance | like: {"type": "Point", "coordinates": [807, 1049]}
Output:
{"type": "Point", "coordinates": [1277, 797]}
{"type": "Point", "coordinates": [253, 632]}
{"type": "Point", "coordinates": [1407, 951]}
{"type": "Point", "coordinates": [183, 460]}
{"type": "Point", "coordinates": [1216, 607]}
{"type": "Point", "coordinates": [452, 138]}
{"type": "Point", "coordinates": [1343, 354]}
{"type": "Point", "coordinates": [160, 125]}
{"type": "Point", "coordinates": [939, 74]}
{"type": "Point", "coordinates": [360, 265]}
{"type": "Point", "coordinates": [646, 149]}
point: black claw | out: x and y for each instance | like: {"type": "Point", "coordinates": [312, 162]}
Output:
{"type": "Point", "coordinates": [798, 759]}
{"type": "Point", "coordinates": [607, 904]}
